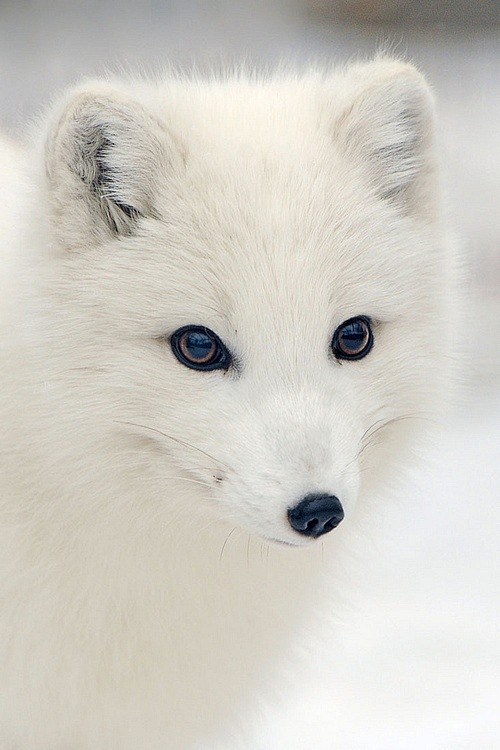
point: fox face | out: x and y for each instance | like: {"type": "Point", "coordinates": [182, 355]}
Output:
{"type": "Point", "coordinates": [247, 281]}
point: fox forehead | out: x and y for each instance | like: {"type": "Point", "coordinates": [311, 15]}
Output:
{"type": "Point", "coordinates": [230, 258]}
{"type": "Point", "coordinates": [248, 199]}
{"type": "Point", "coordinates": [238, 110]}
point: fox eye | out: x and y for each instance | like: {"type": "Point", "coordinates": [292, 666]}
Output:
{"type": "Point", "coordinates": [353, 339]}
{"type": "Point", "coordinates": [199, 348]}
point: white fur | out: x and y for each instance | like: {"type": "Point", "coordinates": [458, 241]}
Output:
{"type": "Point", "coordinates": [269, 210]}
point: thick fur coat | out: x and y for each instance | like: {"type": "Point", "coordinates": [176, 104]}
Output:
{"type": "Point", "coordinates": [137, 495]}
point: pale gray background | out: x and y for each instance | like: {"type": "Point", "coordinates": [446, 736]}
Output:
{"type": "Point", "coordinates": [413, 661]}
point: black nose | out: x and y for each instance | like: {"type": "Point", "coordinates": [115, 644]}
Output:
{"type": "Point", "coordinates": [316, 515]}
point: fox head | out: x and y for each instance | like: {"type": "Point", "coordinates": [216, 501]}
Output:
{"type": "Point", "coordinates": [246, 285]}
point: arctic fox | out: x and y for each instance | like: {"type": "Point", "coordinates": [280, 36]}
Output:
{"type": "Point", "coordinates": [225, 306]}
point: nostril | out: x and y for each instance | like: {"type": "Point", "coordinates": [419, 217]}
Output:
{"type": "Point", "coordinates": [316, 514]}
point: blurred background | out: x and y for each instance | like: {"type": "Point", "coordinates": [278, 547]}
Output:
{"type": "Point", "coordinates": [413, 659]}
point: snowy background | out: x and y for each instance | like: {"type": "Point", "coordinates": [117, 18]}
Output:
{"type": "Point", "coordinates": [415, 662]}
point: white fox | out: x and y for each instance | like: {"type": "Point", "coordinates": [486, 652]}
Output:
{"type": "Point", "coordinates": [225, 306]}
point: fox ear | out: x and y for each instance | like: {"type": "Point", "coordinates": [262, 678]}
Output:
{"type": "Point", "coordinates": [385, 126]}
{"type": "Point", "coordinates": [104, 157]}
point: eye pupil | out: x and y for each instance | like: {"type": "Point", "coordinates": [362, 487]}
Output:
{"type": "Point", "coordinates": [353, 336]}
{"type": "Point", "coordinates": [353, 339]}
{"type": "Point", "coordinates": [198, 346]}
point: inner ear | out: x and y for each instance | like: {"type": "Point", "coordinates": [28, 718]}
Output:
{"type": "Point", "coordinates": [96, 166]}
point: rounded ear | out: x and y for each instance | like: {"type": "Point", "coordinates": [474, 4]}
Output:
{"type": "Point", "coordinates": [103, 157]}
{"type": "Point", "coordinates": [385, 125]}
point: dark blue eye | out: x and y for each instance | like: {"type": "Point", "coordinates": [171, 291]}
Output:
{"type": "Point", "coordinates": [353, 339]}
{"type": "Point", "coordinates": [199, 348]}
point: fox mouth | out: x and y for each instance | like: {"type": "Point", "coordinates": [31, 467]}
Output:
{"type": "Point", "coordinates": [282, 542]}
